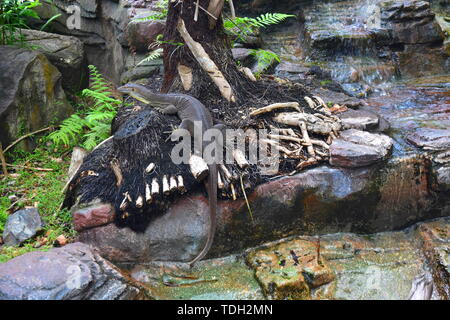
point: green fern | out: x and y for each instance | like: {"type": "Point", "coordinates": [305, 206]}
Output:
{"type": "Point", "coordinates": [90, 128]}
{"type": "Point", "coordinates": [264, 58]}
{"type": "Point", "coordinates": [246, 25]}
{"type": "Point", "coordinates": [155, 54]}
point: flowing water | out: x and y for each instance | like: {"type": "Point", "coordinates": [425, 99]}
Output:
{"type": "Point", "coordinates": [346, 38]}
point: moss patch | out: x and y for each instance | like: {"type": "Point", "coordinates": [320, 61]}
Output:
{"type": "Point", "coordinates": [36, 188]}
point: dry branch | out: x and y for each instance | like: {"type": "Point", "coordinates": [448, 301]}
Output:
{"type": "Point", "coordinates": [117, 172]}
{"type": "Point", "coordinates": [186, 76]}
{"type": "Point", "coordinates": [199, 167]}
{"type": "Point", "coordinates": [24, 137]}
{"type": "Point", "coordinates": [3, 160]}
{"type": "Point", "coordinates": [206, 63]}
{"type": "Point", "coordinates": [275, 106]}
{"type": "Point", "coordinates": [239, 156]}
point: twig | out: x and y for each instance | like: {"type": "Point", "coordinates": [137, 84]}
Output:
{"type": "Point", "coordinates": [3, 160]}
{"type": "Point", "coordinates": [26, 136]}
{"type": "Point", "coordinates": [275, 106]}
{"type": "Point", "coordinates": [246, 200]}
{"type": "Point", "coordinates": [28, 167]}
{"type": "Point", "coordinates": [232, 11]}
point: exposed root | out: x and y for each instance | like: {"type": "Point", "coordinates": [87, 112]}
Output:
{"type": "Point", "coordinates": [275, 106]}
{"type": "Point", "coordinates": [206, 63]}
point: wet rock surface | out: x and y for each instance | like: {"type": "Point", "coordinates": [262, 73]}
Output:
{"type": "Point", "coordinates": [65, 53]}
{"type": "Point", "coordinates": [381, 266]}
{"type": "Point", "coordinates": [107, 31]}
{"type": "Point", "coordinates": [430, 138]}
{"type": "Point", "coordinates": [356, 148]}
{"type": "Point", "coordinates": [21, 226]}
{"type": "Point", "coordinates": [320, 200]}
{"type": "Point", "coordinates": [32, 96]}
{"type": "Point", "coordinates": [73, 272]}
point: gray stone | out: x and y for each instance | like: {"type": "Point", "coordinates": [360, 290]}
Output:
{"type": "Point", "coordinates": [356, 148]}
{"type": "Point", "coordinates": [135, 69]}
{"type": "Point", "coordinates": [359, 119]}
{"type": "Point", "coordinates": [32, 96]}
{"type": "Point", "coordinates": [139, 35]}
{"type": "Point", "coordinates": [430, 139]}
{"type": "Point", "coordinates": [73, 272]}
{"type": "Point", "coordinates": [443, 177]}
{"type": "Point", "coordinates": [410, 22]}
{"type": "Point", "coordinates": [21, 226]}
{"type": "Point", "coordinates": [64, 52]}
{"type": "Point", "coordinates": [242, 55]}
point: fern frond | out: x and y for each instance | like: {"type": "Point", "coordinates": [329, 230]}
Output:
{"type": "Point", "coordinates": [152, 56]}
{"type": "Point", "coordinates": [93, 126]}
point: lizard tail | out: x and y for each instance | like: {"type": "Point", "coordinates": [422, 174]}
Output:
{"type": "Point", "coordinates": [212, 199]}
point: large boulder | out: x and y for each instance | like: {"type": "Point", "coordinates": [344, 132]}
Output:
{"type": "Point", "coordinates": [21, 226]}
{"type": "Point", "coordinates": [73, 272]}
{"type": "Point", "coordinates": [430, 138]}
{"type": "Point", "coordinates": [107, 31]}
{"type": "Point", "coordinates": [31, 91]}
{"type": "Point", "coordinates": [411, 22]}
{"type": "Point", "coordinates": [319, 200]}
{"type": "Point", "coordinates": [64, 52]}
{"type": "Point", "coordinates": [356, 148]}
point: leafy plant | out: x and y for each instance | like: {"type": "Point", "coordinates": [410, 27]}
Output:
{"type": "Point", "coordinates": [92, 126]}
{"type": "Point", "coordinates": [264, 59]}
{"type": "Point", "coordinates": [243, 26]}
{"type": "Point", "coordinates": [13, 15]}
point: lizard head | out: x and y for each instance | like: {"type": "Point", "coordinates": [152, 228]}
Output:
{"type": "Point", "coordinates": [136, 91]}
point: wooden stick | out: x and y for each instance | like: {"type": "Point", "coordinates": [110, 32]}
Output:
{"type": "Point", "coordinates": [214, 9]}
{"type": "Point", "coordinates": [302, 165]}
{"type": "Point", "coordinates": [206, 63]}
{"type": "Point", "coordinates": [181, 186]}
{"type": "Point", "coordinates": [248, 73]}
{"type": "Point", "coordinates": [233, 192]}
{"type": "Point", "coordinates": [117, 172]}
{"type": "Point", "coordinates": [28, 167]}
{"type": "Point", "coordinates": [24, 137]}
{"type": "Point", "coordinates": [165, 184]}
{"type": "Point", "coordinates": [186, 76]}
{"type": "Point", "coordinates": [148, 195]}
{"type": "Point", "coordinates": [232, 10]}
{"type": "Point", "coordinates": [102, 143]}
{"type": "Point", "coordinates": [150, 168]}
{"type": "Point", "coordinates": [124, 203]}
{"type": "Point", "coordinates": [226, 173]}
{"type": "Point", "coordinates": [155, 187]}
{"type": "Point", "coordinates": [275, 106]}
{"type": "Point", "coordinates": [305, 135]}
{"type": "Point", "coordinates": [139, 202]}
{"type": "Point", "coordinates": [173, 184]}
{"type": "Point", "coordinates": [220, 183]}
{"type": "Point", "coordinates": [199, 167]}
{"type": "Point", "coordinates": [3, 160]}
{"type": "Point", "coordinates": [239, 156]}
{"type": "Point", "coordinates": [310, 103]}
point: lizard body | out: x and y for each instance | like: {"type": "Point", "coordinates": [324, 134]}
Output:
{"type": "Point", "coordinates": [192, 114]}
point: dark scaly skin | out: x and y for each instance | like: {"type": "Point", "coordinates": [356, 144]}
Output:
{"type": "Point", "coordinates": [190, 111]}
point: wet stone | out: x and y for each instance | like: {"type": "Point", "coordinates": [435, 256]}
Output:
{"type": "Point", "coordinates": [430, 139]}
{"type": "Point", "coordinates": [73, 272]}
{"type": "Point", "coordinates": [21, 226]}
{"type": "Point", "coordinates": [290, 270]}
{"type": "Point", "coordinates": [359, 119]}
{"type": "Point", "coordinates": [356, 148]}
